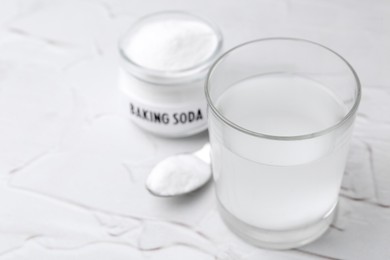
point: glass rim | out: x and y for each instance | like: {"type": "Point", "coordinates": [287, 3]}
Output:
{"type": "Point", "coordinates": [179, 74]}
{"type": "Point", "coordinates": [341, 122]}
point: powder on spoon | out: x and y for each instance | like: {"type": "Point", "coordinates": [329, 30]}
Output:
{"type": "Point", "coordinates": [178, 175]}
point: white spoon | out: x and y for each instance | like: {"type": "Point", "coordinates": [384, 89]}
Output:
{"type": "Point", "coordinates": [180, 174]}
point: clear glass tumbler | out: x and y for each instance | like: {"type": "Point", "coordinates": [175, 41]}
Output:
{"type": "Point", "coordinates": [281, 113]}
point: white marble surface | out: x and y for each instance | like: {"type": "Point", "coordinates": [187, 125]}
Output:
{"type": "Point", "coordinates": [72, 167]}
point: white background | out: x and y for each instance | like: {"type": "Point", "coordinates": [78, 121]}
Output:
{"type": "Point", "coordinates": [72, 166]}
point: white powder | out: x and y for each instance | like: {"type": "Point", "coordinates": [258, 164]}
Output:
{"type": "Point", "coordinates": [171, 44]}
{"type": "Point", "coordinates": [180, 174]}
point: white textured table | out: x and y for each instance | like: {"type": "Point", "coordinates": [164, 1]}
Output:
{"type": "Point", "coordinates": [72, 168]}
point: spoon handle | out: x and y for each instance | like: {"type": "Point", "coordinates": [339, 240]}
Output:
{"type": "Point", "coordinates": [204, 153]}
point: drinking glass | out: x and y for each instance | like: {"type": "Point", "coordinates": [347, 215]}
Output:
{"type": "Point", "coordinates": [281, 113]}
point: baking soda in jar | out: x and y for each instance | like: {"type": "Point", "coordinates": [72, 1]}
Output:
{"type": "Point", "coordinates": [165, 57]}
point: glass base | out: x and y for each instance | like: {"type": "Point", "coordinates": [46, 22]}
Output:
{"type": "Point", "coordinates": [277, 239]}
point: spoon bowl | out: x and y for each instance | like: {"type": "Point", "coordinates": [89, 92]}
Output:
{"type": "Point", "coordinates": [180, 174]}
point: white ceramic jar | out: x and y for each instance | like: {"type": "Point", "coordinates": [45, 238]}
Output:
{"type": "Point", "coordinates": [164, 60]}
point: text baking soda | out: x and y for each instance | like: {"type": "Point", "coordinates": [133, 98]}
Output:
{"type": "Point", "coordinates": [270, 186]}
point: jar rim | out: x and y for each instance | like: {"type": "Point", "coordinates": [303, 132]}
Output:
{"type": "Point", "coordinates": [192, 73]}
